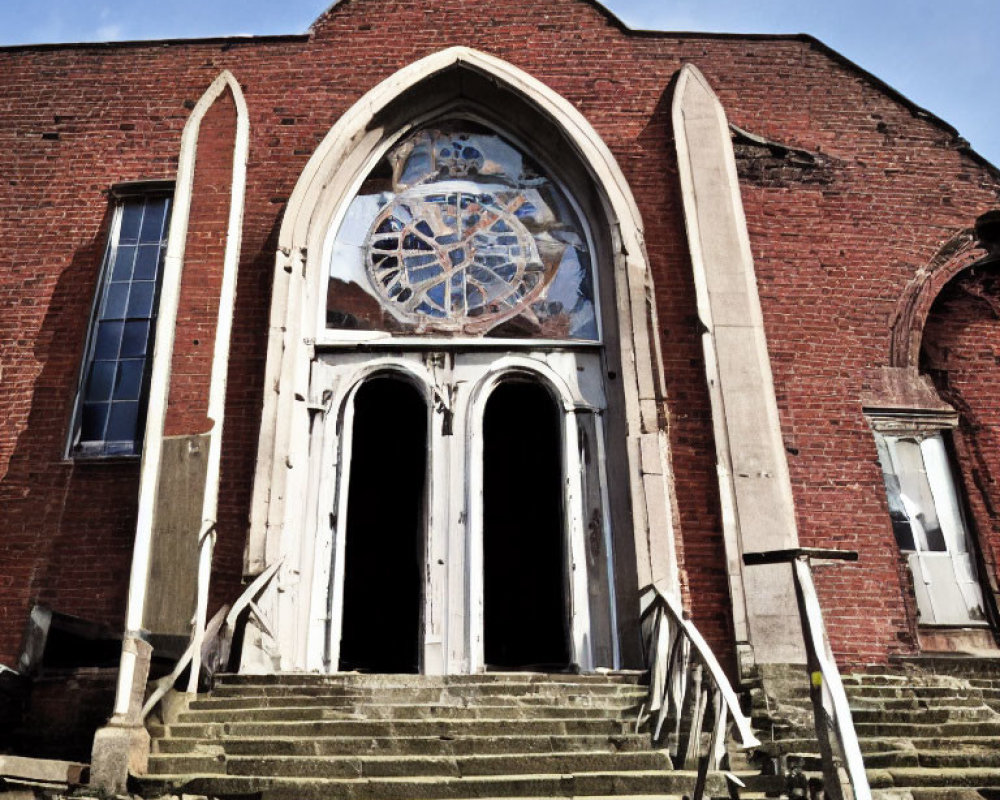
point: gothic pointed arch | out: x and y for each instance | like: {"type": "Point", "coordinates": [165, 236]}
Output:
{"type": "Point", "coordinates": [461, 82]}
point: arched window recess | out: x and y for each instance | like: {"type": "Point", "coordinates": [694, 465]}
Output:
{"type": "Point", "coordinates": [457, 233]}
{"type": "Point", "coordinates": [461, 217]}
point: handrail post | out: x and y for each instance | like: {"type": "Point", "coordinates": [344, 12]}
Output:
{"type": "Point", "coordinates": [824, 677]}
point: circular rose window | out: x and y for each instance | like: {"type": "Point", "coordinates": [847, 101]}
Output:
{"type": "Point", "coordinates": [440, 256]}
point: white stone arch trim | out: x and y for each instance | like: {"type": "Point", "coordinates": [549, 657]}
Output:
{"type": "Point", "coordinates": [298, 279]}
{"type": "Point", "coordinates": [319, 555]}
{"type": "Point", "coordinates": [159, 390]}
{"type": "Point", "coordinates": [575, 526]}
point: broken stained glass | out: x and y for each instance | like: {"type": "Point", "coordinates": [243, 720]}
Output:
{"type": "Point", "coordinates": [457, 232]}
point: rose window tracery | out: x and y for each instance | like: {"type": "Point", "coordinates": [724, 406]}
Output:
{"type": "Point", "coordinates": [454, 256]}
{"type": "Point", "coordinates": [465, 235]}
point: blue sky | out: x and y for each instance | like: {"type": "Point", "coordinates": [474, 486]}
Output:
{"type": "Point", "coordinates": [943, 56]}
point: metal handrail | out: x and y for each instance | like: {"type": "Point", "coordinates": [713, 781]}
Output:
{"type": "Point", "coordinates": [831, 711]}
{"type": "Point", "coordinates": [684, 675]}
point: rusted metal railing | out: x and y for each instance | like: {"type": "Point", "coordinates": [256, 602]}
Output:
{"type": "Point", "coordinates": [685, 683]}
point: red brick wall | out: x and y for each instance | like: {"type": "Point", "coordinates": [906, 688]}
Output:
{"type": "Point", "coordinates": [201, 281]}
{"type": "Point", "coordinates": [832, 259]}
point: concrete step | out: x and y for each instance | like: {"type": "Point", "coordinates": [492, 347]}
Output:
{"type": "Point", "coordinates": [910, 777]}
{"type": "Point", "coordinates": [403, 712]}
{"type": "Point", "coordinates": [405, 728]}
{"type": "Point", "coordinates": [940, 759]}
{"type": "Point", "coordinates": [964, 689]}
{"type": "Point", "coordinates": [424, 766]}
{"type": "Point", "coordinates": [298, 696]}
{"type": "Point", "coordinates": [873, 746]}
{"type": "Point", "coordinates": [620, 677]}
{"type": "Point", "coordinates": [900, 679]}
{"type": "Point", "coordinates": [916, 703]}
{"type": "Point", "coordinates": [920, 729]}
{"type": "Point", "coordinates": [414, 745]}
{"type": "Point", "coordinates": [926, 716]}
{"type": "Point", "coordinates": [929, 793]}
{"type": "Point", "coordinates": [390, 737]}
{"type": "Point", "coordinates": [435, 692]}
{"type": "Point", "coordinates": [616, 784]}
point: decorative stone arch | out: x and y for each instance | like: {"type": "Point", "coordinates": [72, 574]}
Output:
{"type": "Point", "coordinates": [456, 80]}
{"type": "Point", "coordinates": [907, 328]}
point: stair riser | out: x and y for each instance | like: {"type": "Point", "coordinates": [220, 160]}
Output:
{"type": "Point", "coordinates": [914, 777]}
{"type": "Point", "coordinates": [916, 704]}
{"type": "Point", "coordinates": [431, 694]}
{"type": "Point", "coordinates": [371, 713]}
{"type": "Point", "coordinates": [441, 766]}
{"type": "Point", "coordinates": [608, 784]}
{"type": "Point", "coordinates": [622, 678]}
{"type": "Point", "coordinates": [298, 698]}
{"type": "Point", "coordinates": [934, 692]}
{"type": "Point", "coordinates": [431, 745]}
{"type": "Point", "coordinates": [401, 728]}
{"type": "Point", "coordinates": [926, 716]}
{"type": "Point", "coordinates": [922, 730]}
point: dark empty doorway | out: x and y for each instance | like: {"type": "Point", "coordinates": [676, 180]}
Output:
{"type": "Point", "coordinates": [383, 563]}
{"type": "Point", "coordinates": [525, 579]}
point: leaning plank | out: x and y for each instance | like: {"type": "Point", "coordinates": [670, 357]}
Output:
{"type": "Point", "coordinates": [41, 770]}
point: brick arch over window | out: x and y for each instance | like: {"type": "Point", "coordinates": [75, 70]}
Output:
{"type": "Point", "coordinates": [919, 295]}
{"type": "Point", "coordinates": [463, 81]}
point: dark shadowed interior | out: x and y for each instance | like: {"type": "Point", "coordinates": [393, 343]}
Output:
{"type": "Point", "coordinates": [385, 530]}
{"type": "Point", "coordinates": [525, 608]}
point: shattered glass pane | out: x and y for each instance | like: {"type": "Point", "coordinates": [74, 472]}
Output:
{"type": "Point", "coordinates": [457, 232]}
{"type": "Point", "coordinates": [915, 493]}
{"type": "Point", "coordinates": [897, 513]}
{"type": "Point", "coordinates": [943, 489]}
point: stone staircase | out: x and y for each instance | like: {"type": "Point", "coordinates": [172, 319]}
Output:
{"type": "Point", "coordinates": [928, 728]}
{"type": "Point", "coordinates": [389, 737]}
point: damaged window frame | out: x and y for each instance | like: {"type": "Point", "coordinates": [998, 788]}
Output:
{"type": "Point", "coordinates": [933, 525]}
{"type": "Point", "coordinates": [334, 337]}
{"type": "Point", "coordinates": [123, 196]}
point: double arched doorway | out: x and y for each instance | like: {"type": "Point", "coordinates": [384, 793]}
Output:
{"type": "Point", "coordinates": [462, 354]}
{"type": "Point", "coordinates": [524, 589]}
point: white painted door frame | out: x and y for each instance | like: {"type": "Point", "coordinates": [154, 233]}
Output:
{"type": "Point", "coordinates": [456, 387]}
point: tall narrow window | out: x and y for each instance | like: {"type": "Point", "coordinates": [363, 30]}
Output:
{"type": "Point", "coordinates": [110, 411]}
{"type": "Point", "coordinates": [929, 527]}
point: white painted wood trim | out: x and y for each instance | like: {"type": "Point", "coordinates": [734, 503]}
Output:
{"type": "Point", "coordinates": [159, 390]}
{"type": "Point", "coordinates": [220, 362]}
{"type": "Point", "coordinates": [573, 534]}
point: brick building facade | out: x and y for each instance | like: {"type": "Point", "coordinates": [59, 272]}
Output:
{"type": "Point", "coordinates": [877, 300]}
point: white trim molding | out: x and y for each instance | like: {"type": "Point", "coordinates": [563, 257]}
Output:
{"type": "Point", "coordinates": [135, 652]}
